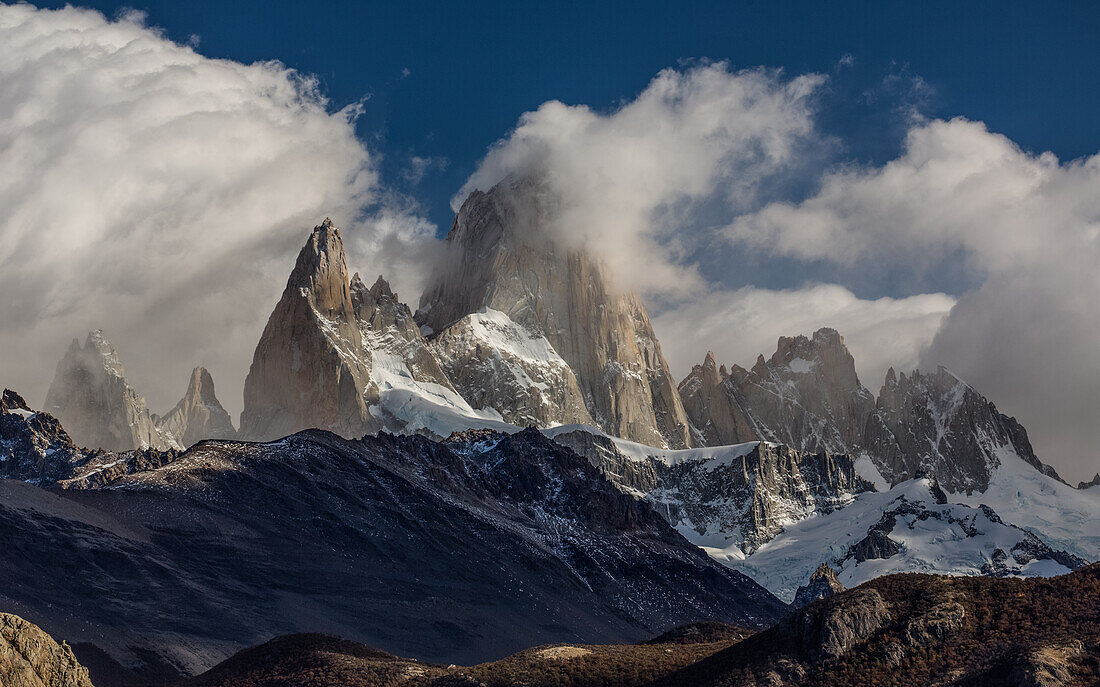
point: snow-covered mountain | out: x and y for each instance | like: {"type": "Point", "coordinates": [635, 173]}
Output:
{"type": "Point", "coordinates": [518, 330]}
{"type": "Point", "coordinates": [910, 528]}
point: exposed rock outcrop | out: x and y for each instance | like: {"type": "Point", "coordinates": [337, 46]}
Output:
{"type": "Point", "coordinates": [807, 395]}
{"type": "Point", "coordinates": [821, 585]}
{"type": "Point", "coordinates": [91, 398]}
{"type": "Point", "coordinates": [938, 424]}
{"type": "Point", "coordinates": [389, 330]}
{"type": "Point", "coordinates": [1094, 482]}
{"type": "Point", "coordinates": [732, 496]}
{"type": "Point", "coordinates": [835, 630]}
{"type": "Point", "coordinates": [506, 259]}
{"type": "Point", "coordinates": [198, 415]}
{"type": "Point", "coordinates": [310, 368]}
{"type": "Point", "coordinates": [33, 445]}
{"type": "Point", "coordinates": [31, 658]}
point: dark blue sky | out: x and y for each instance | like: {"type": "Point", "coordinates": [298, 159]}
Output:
{"type": "Point", "coordinates": [1029, 70]}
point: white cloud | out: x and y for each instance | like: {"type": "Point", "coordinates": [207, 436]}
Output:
{"type": "Point", "coordinates": [628, 179]}
{"type": "Point", "coordinates": [739, 325]}
{"type": "Point", "coordinates": [1029, 228]}
{"type": "Point", "coordinates": [159, 194]}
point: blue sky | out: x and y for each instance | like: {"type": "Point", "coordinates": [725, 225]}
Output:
{"type": "Point", "coordinates": [1028, 70]}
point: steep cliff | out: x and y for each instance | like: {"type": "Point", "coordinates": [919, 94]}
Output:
{"type": "Point", "coordinates": [505, 257]}
{"type": "Point", "coordinates": [91, 397]}
{"type": "Point", "coordinates": [310, 368]}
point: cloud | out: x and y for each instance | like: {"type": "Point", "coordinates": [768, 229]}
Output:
{"type": "Point", "coordinates": [418, 166]}
{"type": "Point", "coordinates": [1026, 225]}
{"type": "Point", "coordinates": [161, 195]}
{"type": "Point", "coordinates": [741, 324]}
{"type": "Point", "coordinates": [629, 180]}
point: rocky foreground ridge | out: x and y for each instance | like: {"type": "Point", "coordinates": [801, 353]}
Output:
{"type": "Point", "coordinates": [31, 658]}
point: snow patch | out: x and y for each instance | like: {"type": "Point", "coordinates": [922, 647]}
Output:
{"type": "Point", "coordinates": [801, 365]}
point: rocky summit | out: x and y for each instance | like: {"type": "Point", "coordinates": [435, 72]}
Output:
{"type": "Point", "coordinates": [91, 397]}
{"type": "Point", "coordinates": [309, 368]}
{"type": "Point", "coordinates": [504, 258]}
{"type": "Point", "coordinates": [808, 396]}
{"type": "Point", "coordinates": [198, 415]}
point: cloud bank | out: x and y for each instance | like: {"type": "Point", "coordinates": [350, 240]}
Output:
{"type": "Point", "coordinates": [628, 178]}
{"type": "Point", "coordinates": [1027, 225]}
{"type": "Point", "coordinates": [160, 195]}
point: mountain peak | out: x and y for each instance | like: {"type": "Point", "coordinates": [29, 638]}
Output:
{"type": "Point", "coordinates": [382, 288]}
{"type": "Point", "coordinates": [91, 397]}
{"type": "Point", "coordinates": [823, 584]}
{"type": "Point", "coordinates": [310, 368]}
{"type": "Point", "coordinates": [198, 415]}
{"type": "Point", "coordinates": [201, 385]}
{"type": "Point", "coordinates": [511, 258]}
{"type": "Point", "coordinates": [321, 273]}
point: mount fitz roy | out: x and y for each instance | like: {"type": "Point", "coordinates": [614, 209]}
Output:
{"type": "Point", "coordinates": [377, 438]}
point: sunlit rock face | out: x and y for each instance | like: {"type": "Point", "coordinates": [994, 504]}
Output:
{"type": "Point", "coordinates": [31, 658]}
{"type": "Point", "coordinates": [198, 415]}
{"type": "Point", "coordinates": [310, 368]}
{"type": "Point", "coordinates": [505, 258]}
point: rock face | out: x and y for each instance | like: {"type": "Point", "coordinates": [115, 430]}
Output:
{"type": "Point", "coordinates": [310, 368]}
{"type": "Point", "coordinates": [198, 415]}
{"type": "Point", "coordinates": [392, 335]}
{"type": "Point", "coordinates": [732, 497]}
{"type": "Point", "coordinates": [504, 259]}
{"type": "Point", "coordinates": [91, 397]}
{"type": "Point", "coordinates": [31, 658]}
{"type": "Point", "coordinates": [938, 424]}
{"type": "Point", "coordinates": [496, 363]}
{"type": "Point", "coordinates": [822, 584]}
{"type": "Point", "coordinates": [807, 395]}
{"type": "Point", "coordinates": [1095, 482]}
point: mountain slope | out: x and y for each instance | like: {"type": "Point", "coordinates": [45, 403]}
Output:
{"type": "Point", "coordinates": [925, 630]}
{"type": "Point", "coordinates": [458, 551]}
{"type": "Point", "coordinates": [911, 528]}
